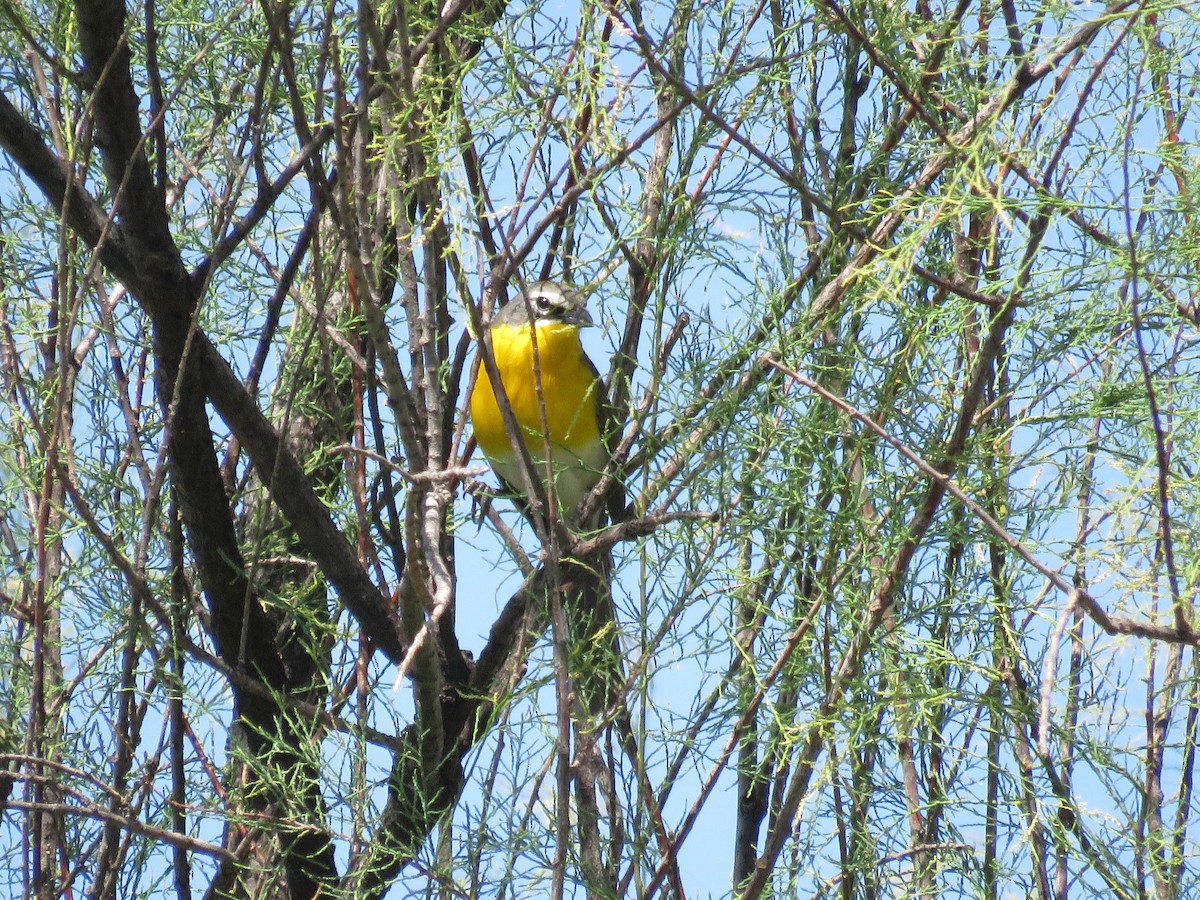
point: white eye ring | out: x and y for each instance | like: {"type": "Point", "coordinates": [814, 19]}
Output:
{"type": "Point", "coordinates": [542, 303]}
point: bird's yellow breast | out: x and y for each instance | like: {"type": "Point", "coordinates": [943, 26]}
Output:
{"type": "Point", "coordinates": [571, 389]}
{"type": "Point", "coordinates": [569, 386]}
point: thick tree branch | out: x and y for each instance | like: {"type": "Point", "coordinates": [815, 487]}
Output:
{"type": "Point", "coordinates": [293, 492]}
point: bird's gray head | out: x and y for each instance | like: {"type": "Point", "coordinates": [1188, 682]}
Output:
{"type": "Point", "coordinates": [545, 301]}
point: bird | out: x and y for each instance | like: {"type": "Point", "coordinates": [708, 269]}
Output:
{"type": "Point", "coordinates": [561, 376]}
{"type": "Point", "coordinates": [560, 406]}
{"type": "Point", "coordinates": [577, 433]}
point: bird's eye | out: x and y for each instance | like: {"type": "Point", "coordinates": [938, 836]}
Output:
{"type": "Point", "coordinates": [542, 304]}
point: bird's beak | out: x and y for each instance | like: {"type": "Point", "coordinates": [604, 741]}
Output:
{"type": "Point", "coordinates": [579, 316]}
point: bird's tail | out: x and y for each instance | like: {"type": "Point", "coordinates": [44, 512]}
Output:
{"type": "Point", "coordinates": [596, 659]}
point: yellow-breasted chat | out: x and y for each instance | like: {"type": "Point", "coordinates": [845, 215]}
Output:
{"type": "Point", "coordinates": [576, 416]}
{"type": "Point", "coordinates": [575, 431]}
